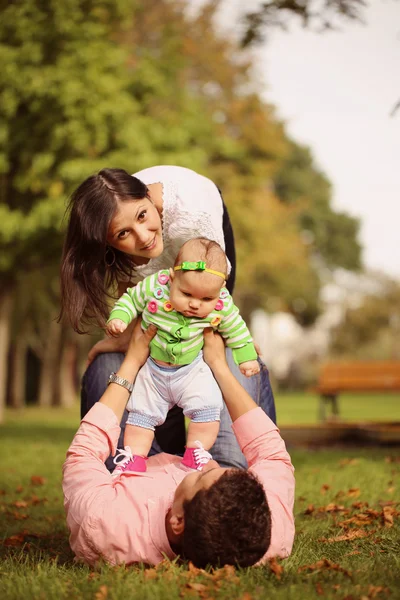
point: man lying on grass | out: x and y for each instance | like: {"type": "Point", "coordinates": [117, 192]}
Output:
{"type": "Point", "coordinates": [216, 516]}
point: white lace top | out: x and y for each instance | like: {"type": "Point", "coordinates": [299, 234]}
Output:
{"type": "Point", "coordinates": [192, 207]}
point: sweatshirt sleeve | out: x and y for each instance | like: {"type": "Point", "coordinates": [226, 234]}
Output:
{"type": "Point", "coordinates": [236, 333]}
{"type": "Point", "coordinates": [268, 459]}
{"type": "Point", "coordinates": [130, 304]}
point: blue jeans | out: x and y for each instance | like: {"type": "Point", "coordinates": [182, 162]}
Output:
{"type": "Point", "coordinates": [170, 437]}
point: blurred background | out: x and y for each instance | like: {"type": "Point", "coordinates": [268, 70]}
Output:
{"type": "Point", "coordinates": [292, 108]}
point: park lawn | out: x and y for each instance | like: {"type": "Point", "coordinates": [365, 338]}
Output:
{"type": "Point", "coordinates": [302, 407]}
{"type": "Point", "coordinates": [354, 560]}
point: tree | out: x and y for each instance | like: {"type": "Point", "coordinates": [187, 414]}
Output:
{"type": "Point", "coordinates": [372, 329]}
{"type": "Point", "coordinates": [318, 16]}
{"type": "Point", "coordinates": [332, 235]}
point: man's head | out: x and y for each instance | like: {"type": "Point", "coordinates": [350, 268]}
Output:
{"type": "Point", "coordinates": [195, 293]}
{"type": "Point", "coordinates": [221, 516]}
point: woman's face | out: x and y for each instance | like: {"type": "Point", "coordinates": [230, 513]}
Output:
{"type": "Point", "coordinates": [136, 229]}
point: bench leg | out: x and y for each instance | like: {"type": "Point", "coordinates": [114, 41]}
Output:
{"type": "Point", "coordinates": [323, 401]}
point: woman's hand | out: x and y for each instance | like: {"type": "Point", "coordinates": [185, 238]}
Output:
{"type": "Point", "coordinates": [138, 350]}
{"type": "Point", "coordinates": [214, 350]}
{"type": "Point", "coordinates": [118, 344]}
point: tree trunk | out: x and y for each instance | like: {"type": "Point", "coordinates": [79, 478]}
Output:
{"type": "Point", "coordinates": [48, 385]}
{"type": "Point", "coordinates": [18, 372]}
{"type": "Point", "coordinates": [67, 376]}
{"type": "Point", "coordinates": [5, 315]}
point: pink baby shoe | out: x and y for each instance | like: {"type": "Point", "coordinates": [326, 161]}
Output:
{"type": "Point", "coordinates": [196, 458]}
{"type": "Point", "coordinates": [127, 462]}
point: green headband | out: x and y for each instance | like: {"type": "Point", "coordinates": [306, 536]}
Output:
{"type": "Point", "coordinates": [197, 266]}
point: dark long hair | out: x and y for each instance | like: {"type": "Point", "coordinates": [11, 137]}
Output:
{"type": "Point", "coordinates": [86, 279]}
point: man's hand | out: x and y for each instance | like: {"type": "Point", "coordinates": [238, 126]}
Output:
{"type": "Point", "coordinates": [214, 350]}
{"type": "Point", "coordinates": [138, 350]}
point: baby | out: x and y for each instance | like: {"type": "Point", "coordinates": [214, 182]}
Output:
{"type": "Point", "coordinates": [181, 303]}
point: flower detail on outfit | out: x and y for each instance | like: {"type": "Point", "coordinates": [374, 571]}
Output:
{"type": "Point", "coordinates": [159, 293]}
{"type": "Point", "coordinates": [168, 306]}
{"type": "Point", "coordinates": [223, 293]}
{"type": "Point", "coordinates": [219, 305]}
{"type": "Point", "coordinates": [163, 278]}
{"type": "Point", "coordinates": [152, 306]}
{"type": "Point", "coordinates": [216, 321]}
{"type": "Point", "coordinates": [196, 458]}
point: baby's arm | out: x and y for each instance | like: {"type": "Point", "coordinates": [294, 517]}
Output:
{"type": "Point", "coordinates": [115, 327]}
{"type": "Point", "coordinates": [249, 368]}
{"type": "Point", "coordinates": [126, 309]}
{"type": "Point", "coordinates": [237, 336]}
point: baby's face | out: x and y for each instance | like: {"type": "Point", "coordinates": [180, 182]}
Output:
{"type": "Point", "coordinates": [195, 294]}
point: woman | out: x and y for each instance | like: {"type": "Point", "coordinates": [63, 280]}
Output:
{"type": "Point", "coordinates": [122, 228]}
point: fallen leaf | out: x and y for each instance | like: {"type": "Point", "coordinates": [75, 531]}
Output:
{"type": "Point", "coordinates": [359, 504]}
{"type": "Point", "coordinates": [246, 596]}
{"type": "Point", "coordinates": [324, 488]}
{"type": "Point", "coordinates": [102, 593]}
{"type": "Point", "coordinates": [349, 461]}
{"type": "Point", "coordinates": [275, 567]}
{"type": "Point", "coordinates": [20, 503]}
{"type": "Point", "coordinates": [353, 492]}
{"type": "Point", "coordinates": [324, 565]}
{"type": "Point", "coordinates": [374, 590]}
{"type": "Point", "coordinates": [353, 553]}
{"type": "Point", "coordinates": [392, 459]}
{"type": "Point", "coordinates": [309, 510]}
{"type": "Point", "coordinates": [14, 540]}
{"type": "Point", "coordinates": [388, 512]}
{"type": "Point", "coordinates": [37, 480]}
{"type": "Point", "coordinates": [198, 587]}
{"type": "Point", "coordinates": [390, 490]}
{"type": "Point", "coordinates": [319, 589]}
{"type": "Point", "coordinates": [340, 494]}
{"type": "Point", "coordinates": [150, 574]}
{"type": "Point", "coordinates": [353, 534]}
{"type": "Point", "coordinates": [17, 516]}
{"type": "Point", "coordinates": [332, 507]}
{"type": "Point", "coordinates": [19, 489]}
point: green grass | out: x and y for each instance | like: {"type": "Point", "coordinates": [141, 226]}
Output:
{"type": "Point", "coordinates": [40, 564]}
{"type": "Point", "coordinates": [302, 407]}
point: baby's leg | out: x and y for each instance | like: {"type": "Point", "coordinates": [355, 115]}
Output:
{"type": "Point", "coordinates": [138, 439]}
{"type": "Point", "coordinates": [205, 433]}
{"type": "Point", "coordinates": [201, 399]}
{"type": "Point", "coordinates": [146, 411]}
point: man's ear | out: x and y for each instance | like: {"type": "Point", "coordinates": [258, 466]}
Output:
{"type": "Point", "coordinates": [171, 273]}
{"type": "Point", "coordinates": [177, 523]}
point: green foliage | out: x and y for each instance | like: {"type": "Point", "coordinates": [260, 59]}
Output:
{"type": "Point", "coordinates": [92, 83]}
{"type": "Point", "coordinates": [332, 235]}
{"type": "Point", "coordinates": [372, 329]}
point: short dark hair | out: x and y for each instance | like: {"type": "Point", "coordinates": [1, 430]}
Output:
{"type": "Point", "coordinates": [229, 523]}
{"type": "Point", "coordinates": [85, 277]}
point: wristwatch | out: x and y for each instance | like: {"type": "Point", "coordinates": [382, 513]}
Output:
{"type": "Point", "coordinates": [114, 378]}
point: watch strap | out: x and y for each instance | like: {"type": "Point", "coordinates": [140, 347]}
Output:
{"type": "Point", "coordinates": [114, 378]}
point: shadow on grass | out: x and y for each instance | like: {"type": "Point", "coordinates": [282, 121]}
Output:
{"type": "Point", "coordinates": [38, 547]}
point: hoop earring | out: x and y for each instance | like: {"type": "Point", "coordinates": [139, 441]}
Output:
{"type": "Point", "coordinates": [110, 263]}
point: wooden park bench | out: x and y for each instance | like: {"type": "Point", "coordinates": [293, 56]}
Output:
{"type": "Point", "coordinates": [357, 376]}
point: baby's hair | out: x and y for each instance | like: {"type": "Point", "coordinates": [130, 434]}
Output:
{"type": "Point", "coordinates": [203, 249]}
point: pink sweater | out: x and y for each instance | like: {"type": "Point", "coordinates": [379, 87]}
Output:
{"type": "Point", "coordinates": [124, 521]}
